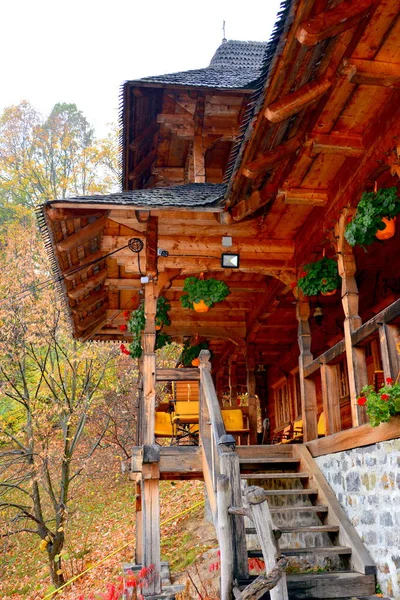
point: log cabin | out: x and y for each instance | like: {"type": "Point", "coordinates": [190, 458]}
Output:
{"type": "Point", "coordinates": [262, 157]}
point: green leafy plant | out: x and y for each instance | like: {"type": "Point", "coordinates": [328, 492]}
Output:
{"type": "Point", "coordinates": [208, 290]}
{"type": "Point", "coordinates": [137, 322]}
{"type": "Point", "coordinates": [381, 405]}
{"type": "Point", "coordinates": [320, 276]}
{"type": "Point", "coordinates": [371, 209]}
{"type": "Point", "coordinates": [189, 353]}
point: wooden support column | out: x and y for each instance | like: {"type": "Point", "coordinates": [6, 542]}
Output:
{"type": "Point", "coordinates": [151, 517]}
{"type": "Point", "coordinates": [139, 522]}
{"type": "Point", "coordinates": [151, 247]}
{"type": "Point", "coordinates": [251, 391]}
{"type": "Point", "coordinates": [389, 336]}
{"type": "Point", "coordinates": [355, 356]}
{"type": "Point", "coordinates": [233, 381]}
{"type": "Point", "coordinates": [150, 467]}
{"type": "Point", "coordinates": [330, 398]}
{"type": "Point", "coordinates": [307, 385]}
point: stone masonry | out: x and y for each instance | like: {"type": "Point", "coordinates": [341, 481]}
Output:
{"type": "Point", "coordinates": [366, 482]}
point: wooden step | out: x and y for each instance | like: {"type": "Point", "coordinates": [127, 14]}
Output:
{"type": "Point", "coordinates": [275, 476]}
{"type": "Point", "coordinates": [292, 492]}
{"type": "Point", "coordinates": [343, 584]}
{"type": "Point", "coordinates": [259, 451]}
{"type": "Point", "coordinates": [342, 550]}
{"type": "Point", "coordinates": [302, 529]}
{"type": "Point", "coordinates": [319, 508]}
{"type": "Point", "coordinates": [273, 460]}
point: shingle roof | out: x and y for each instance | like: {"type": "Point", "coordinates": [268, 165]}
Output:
{"type": "Point", "coordinates": [236, 64]}
{"type": "Point", "coordinates": [191, 195]}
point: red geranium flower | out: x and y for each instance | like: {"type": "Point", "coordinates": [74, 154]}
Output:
{"type": "Point", "coordinates": [126, 314]}
{"type": "Point", "coordinates": [123, 327]}
{"type": "Point", "coordinates": [389, 380]}
{"type": "Point", "coordinates": [385, 397]}
{"type": "Point", "coordinates": [361, 401]}
{"type": "Point", "coordinates": [293, 284]}
{"type": "Point", "coordinates": [324, 281]}
{"type": "Point", "coordinates": [124, 349]}
{"type": "Point", "coordinates": [303, 273]}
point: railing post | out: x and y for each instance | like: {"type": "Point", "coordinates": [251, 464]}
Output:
{"type": "Point", "coordinates": [256, 499]}
{"type": "Point", "coordinates": [225, 537]}
{"type": "Point", "coordinates": [251, 390]}
{"type": "Point", "coordinates": [388, 335]}
{"type": "Point", "coordinates": [307, 386]}
{"type": "Point", "coordinates": [356, 363]}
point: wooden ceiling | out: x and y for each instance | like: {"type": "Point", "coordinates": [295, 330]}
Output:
{"type": "Point", "coordinates": [326, 128]}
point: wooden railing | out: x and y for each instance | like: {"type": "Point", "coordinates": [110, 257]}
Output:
{"type": "Point", "coordinates": [325, 364]}
{"type": "Point", "coordinates": [220, 459]}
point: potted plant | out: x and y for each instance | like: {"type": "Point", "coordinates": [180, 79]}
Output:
{"type": "Point", "coordinates": [137, 322]}
{"type": "Point", "coordinates": [320, 276]}
{"type": "Point", "coordinates": [190, 354]}
{"type": "Point", "coordinates": [201, 294]}
{"type": "Point", "coordinates": [383, 404]}
{"type": "Point", "coordinates": [374, 218]}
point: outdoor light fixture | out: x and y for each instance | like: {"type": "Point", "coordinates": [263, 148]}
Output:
{"type": "Point", "coordinates": [318, 315]}
{"type": "Point", "coordinates": [230, 261]}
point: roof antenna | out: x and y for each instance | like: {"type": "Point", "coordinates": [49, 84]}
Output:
{"type": "Point", "coordinates": [224, 40]}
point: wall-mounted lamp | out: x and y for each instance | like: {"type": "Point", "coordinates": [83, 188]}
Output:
{"type": "Point", "coordinates": [318, 315]}
{"type": "Point", "coordinates": [230, 261]}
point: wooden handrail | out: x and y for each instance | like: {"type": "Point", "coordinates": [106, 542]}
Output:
{"type": "Point", "coordinates": [219, 458]}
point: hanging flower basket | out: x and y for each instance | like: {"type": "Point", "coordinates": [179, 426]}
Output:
{"type": "Point", "coordinates": [374, 211]}
{"type": "Point", "coordinates": [202, 294]}
{"type": "Point", "coordinates": [381, 405]}
{"type": "Point", "coordinates": [320, 276]}
{"type": "Point", "coordinates": [137, 322]}
{"type": "Point", "coordinates": [190, 354]}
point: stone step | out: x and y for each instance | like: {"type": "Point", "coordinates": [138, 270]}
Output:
{"type": "Point", "coordinates": [302, 529]}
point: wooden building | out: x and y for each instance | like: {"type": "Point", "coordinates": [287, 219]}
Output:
{"type": "Point", "coordinates": [271, 147]}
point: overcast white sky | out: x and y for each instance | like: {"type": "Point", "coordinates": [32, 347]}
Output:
{"type": "Point", "coordinates": [80, 51]}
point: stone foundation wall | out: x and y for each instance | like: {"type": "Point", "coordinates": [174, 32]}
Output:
{"type": "Point", "coordinates": [366, 482]}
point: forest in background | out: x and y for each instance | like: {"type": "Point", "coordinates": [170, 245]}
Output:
{"type": "Point", "coordinates": [67, 409]}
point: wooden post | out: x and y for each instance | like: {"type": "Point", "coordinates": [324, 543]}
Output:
{"type": "Point", "coordinates": [233, 381]}
{"type": "Point", "coordinates": [256, 499]}
{"type": "Point", "coordinates": [251, 391]}
{"type": "Point", "coordinates": [150, 467]}
{"type": "Point", "coordinates": [330, 398]}
{"type": "Point", "coordinates": [225, 537]}
{"type": "Point", "coordinates": [139, 523]}
{"type": "Point", "coordinates": [229, 465]}
{"type": "Point", "coordinates": [355, 356]}
{"type": "Point", "coordinates": [307, 385]}
{"type": "Point", "coordinates": [388, 335]}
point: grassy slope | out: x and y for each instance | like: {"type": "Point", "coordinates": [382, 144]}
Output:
{"type": "Point", "coordinates": [102, 520]}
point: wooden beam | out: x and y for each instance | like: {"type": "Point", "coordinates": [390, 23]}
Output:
{"type": "Point", "coordinates": [144, 164]}
{"type": "Point", "coordinates": [151, 247]}
{"type": "Point", "coordinates": [371, 72]}
{"type": "Point", "coordinates": [89, 302]}
{"type": "Point", "coordinates": [146, 133]}
{"type": "Point", "coordinates": [83, 235]}
{"type": "Point", "coordinates": [62, 214]}
{"type": "Point", "coordinates": [296, 101]}
{"type": "Point", "coordinates": [92, 318]}
{"type": "Point", "coordinates": [199, 160]}
{"type": "Point", "coordinates": [87, 286]}
{"type": "Point", "coordinates": [332, 22]}
{"type": "Point", "coordinates": [307, 197]}
{"type": "Point", "coordinates": [84, 265]}
{"type": "Point", "coordinates": [185, 374]}
{"type": "Point", "coordinates": [272, 158]}
{"type": "Point", "coordinates": [335, 143]}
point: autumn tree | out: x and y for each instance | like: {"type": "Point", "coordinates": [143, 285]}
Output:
{"type": "Point", "coordinates": [55, 157]}
{"type": "Point", "coordinates": [49, 388]}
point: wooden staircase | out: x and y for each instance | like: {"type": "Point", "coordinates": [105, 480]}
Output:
{"type": "Point", "coordinates": [326, 556]}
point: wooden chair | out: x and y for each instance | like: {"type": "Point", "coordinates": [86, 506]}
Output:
{"type": "Point", "coordinates": [163, 427]}
{"type": "Point", "coordinates": [185, 419]}
{"type": "Point", "coordinates": [283, 436]}
{"type": "Point", "coordinates": [296, 434]}
{"type": "Point", "coordinates": [234, 423]}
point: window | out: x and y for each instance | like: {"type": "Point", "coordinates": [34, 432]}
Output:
{"type": "Point", "coordinates": [343, 381]}
{"type": "Point", "coordinates": [282, 407]}
{"type": "Point", "coordinates": [295, 393]}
